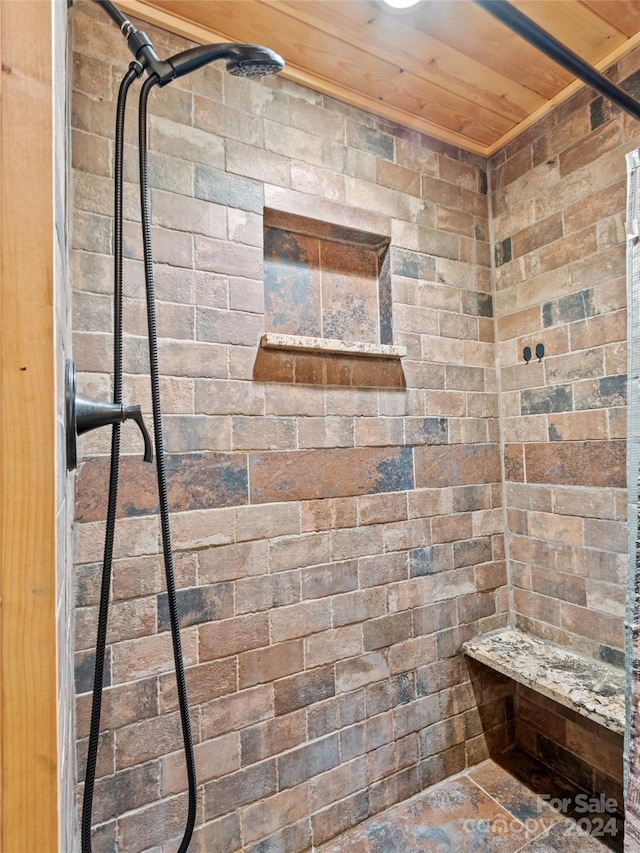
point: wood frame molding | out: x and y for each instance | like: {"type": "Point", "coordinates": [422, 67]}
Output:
{"type": "Point", "coordinates": [28, 588]}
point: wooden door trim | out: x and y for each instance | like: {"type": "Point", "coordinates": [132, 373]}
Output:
{"type": "Point", "coordinates": [28, 594]}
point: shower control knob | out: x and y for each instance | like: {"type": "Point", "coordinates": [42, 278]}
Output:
{"type": "Point", "coordinates": [84, 414]}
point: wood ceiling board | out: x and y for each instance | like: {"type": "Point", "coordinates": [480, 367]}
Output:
{"type": "Point", "coordinates": [566, 93]}
{"type": "Point", "coordinates": [472, 31]}
{"type": "Point", "coordinates": [623, 14]}
{"type": "Point", "coordinates": [143, 10]}
{"type": "Point", "coordinates": [319, 53]}
{"type": "Point", "coordinates": [375, 83]}
{"type": "Point", "coordinates": [390, 38]}
{"type": "Point", "coordinates": [574, 25]}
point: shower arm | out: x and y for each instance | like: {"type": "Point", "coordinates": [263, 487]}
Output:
{"type": "Point", "coordinates": [139, 43]}
{"type": "Point", "coordinates": [242, 59]}
{"type": "Point", "coordinates": [554, 49]}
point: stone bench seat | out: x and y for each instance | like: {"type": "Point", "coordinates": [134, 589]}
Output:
{"type": "Point", "coordinates": [591, 688]}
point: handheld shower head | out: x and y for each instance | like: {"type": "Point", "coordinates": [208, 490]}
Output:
{"type": "Point", "coordinates": [243, 60]}
{"type": "Point", "coordinates": [256, 61]}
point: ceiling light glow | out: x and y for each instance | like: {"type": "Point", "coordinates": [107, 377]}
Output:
{"type": "Point", "coordinates": [400, 4]}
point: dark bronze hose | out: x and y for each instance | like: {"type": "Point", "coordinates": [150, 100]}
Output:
{"type": "Point", "coordinates": [154, 371]}
{"type": "Point", "coordinates": [107, 564]}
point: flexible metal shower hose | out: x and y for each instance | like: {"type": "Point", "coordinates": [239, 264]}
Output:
{"type": "Point", "coordinates": [107, 562]}
{"type": "Point", "coordinates": [92, 752]}
{"type": "Point", "coordinates": [154, 372]}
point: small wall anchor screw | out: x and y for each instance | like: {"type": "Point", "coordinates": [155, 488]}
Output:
{"type": "Point", "coordinates": [526, 354]}
{"type": "Point", "coordinates": [539, 351]}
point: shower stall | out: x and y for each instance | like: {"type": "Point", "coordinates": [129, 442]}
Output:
{"type": "Point", "coordinates": [363, 470]}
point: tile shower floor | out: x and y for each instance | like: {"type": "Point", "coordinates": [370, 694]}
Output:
{"type": "Point", "coordinates": [487, 809]}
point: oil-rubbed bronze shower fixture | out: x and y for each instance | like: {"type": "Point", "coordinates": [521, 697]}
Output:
{"type": "Point", "coordinates": [83, 414]}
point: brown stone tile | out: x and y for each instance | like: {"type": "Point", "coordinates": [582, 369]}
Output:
{"type": "Point", "coordinates": [194, 481]}
{"type": "Point", "coordinates": [148, 739]}
{"type": "Point", "coordinates": [121, 705]}
{"type": "Point", "coordinates": [303, 689]}
{"type": "Point", "coordinates": [230, 636]}
{"type": "Point", "coordinates": [145, 828]}
{"type": "Point", "coordinates": [603, 627]}
{"type": "Point", "coordinates": [464, 815]}
{"type": "Point", "coordinates": [222, 834]}
{"type": "Point", "coordinates": [240, 788]}
{"type": "Point", "coordinates": [307, 761]}
{"type": "Point", "coordinates": [601, 747]}
{"type": "Point", "coordinates": [597, 206]}
{"type": "Point", "coordinates": [236, 711]}
{"type": "Point", "coordinates": [205, 681]}
{"type": "Point", "coordinates": [214, 758]}
{"type": "Point", "coordinates": [559, 585]}
{"type": "Point", "coordinates": [590, 147]}
{"type": "Point", "coordinates": [398, 177]}
{"type": "Point", "coordinates": [491, 575]}
{"type": "Point", "coordinates": [329, 579]}
{"type": "Point", "coordinates": [337, 818]}
{"type": "Point", "coordinates": [292, 283]}
{"type": "Point", "coordinates": [298, 204]}
{"type": "Point", "coordinates": [536, 606]}
{"type": "Point", "coordinates": [327, 514]}
{"type": "Point", "coordinates": [514, 462]}
{"type": "Point", "coordinates": [457, 465]}
{"type": "Point", "coordinates": [262, 819]}
{"type": "Point", "coordinates": [584, 463]}
{"type": "Point", "coordinates": [526, 321]}
{"type": "Point", "coordinates": [274, 366]}
{"type": "Point", "coordinates": [267, 591]}
{"type": "Point", "coordinates": [358, 606]}
{"type": "Point", "coordinates": [387, 630]}
{"type": "Point", "coordinates": [300, 620]}
{"type": "Point", "coordinates": [337, 783]}
{"type": "Point", "coordinates": [576, 426]}
{"type": "Point", "coordinates": [535, 715]}
{"type": "Point", "coordinates": [264, 665]}
{"type": "Point", "coordinates": [150, 655]}
{"type": "Point", "coordinates": [308, 475]}
{"type": "Point", "coordinates": [537, 235]}
{"type": "Point", "coordinates": [333, 645]}
{"type": "Point", "coordinates": [272, 737]}
{"type": "Point", "coordinates": [555, 527]}
{"type": "Point", "coordinates": [349, 292]}
{"type": "Point", "coordinates": [374, 373]}
{"type": "Point", "coordinates": [516, 166]}
{"type": "Point", "coordinates": [567, 837]}
{"type": "Point", "coordinates": [575, 247]}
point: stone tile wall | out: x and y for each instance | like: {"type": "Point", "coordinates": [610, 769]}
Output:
{"type": "Point", "coordinates": [558, 211]}
{"type": "Point", "coordinates": [337, 527]}
{"type": "Point", "coordinates": [338, 521]}
{"type": "Point", "coordinates": [584, 752]}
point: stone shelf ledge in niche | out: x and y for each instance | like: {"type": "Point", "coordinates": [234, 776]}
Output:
{"type": "Point", "coordinates": [302, 343]}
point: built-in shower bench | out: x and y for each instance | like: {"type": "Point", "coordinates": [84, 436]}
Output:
{"type": "Point", "coordinates": [591, 688]}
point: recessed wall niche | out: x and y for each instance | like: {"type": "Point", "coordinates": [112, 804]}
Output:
{"type": "Point", "coordinates": [326, 281]}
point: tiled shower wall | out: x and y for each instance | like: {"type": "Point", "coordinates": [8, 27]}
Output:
{"type": "Point", "coordinates": [337, 522]}
{"type": "Point", "coordinates": [337, 527]}
{"type": "Point", "coordinates": [558, 205]}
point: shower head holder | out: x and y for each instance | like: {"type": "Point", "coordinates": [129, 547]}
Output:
{"type": "Point", "coordinates": [83, 414]}
{"type": "Point", "coordinates": [243, 60]}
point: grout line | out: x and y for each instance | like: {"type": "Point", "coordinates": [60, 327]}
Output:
{"type": "Point", "coordinates": [498, 803]}
{"type": "Point", "coordinates": [501, 414]}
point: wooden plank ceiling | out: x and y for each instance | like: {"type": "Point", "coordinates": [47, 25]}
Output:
{"type": "Point", "coordinates": [445, 67]}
